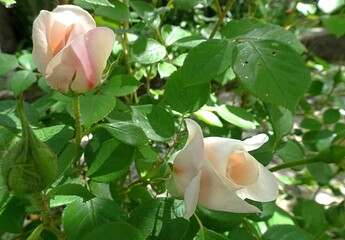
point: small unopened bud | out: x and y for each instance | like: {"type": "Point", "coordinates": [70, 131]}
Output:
{"type": "Point", "coordinates": [28, 166]}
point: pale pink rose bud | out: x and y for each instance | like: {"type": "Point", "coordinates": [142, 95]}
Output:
{"type": "Point", "coordinates": [219, 173]}
{"type": "Point", "coordinates": [69, 50]}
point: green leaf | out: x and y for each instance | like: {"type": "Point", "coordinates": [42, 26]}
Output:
{"type": "Point", "coordinates": [12, 216]}
{"type": "Point", "coordinates": [311, 123]}
{"type": "Point", "coordinates": [147, 12]}
{"type": "Point", "coordinates": [166, 69]}
{"type": "Point", "coordinates": [56, 137]}
{"type": "Point", "coordinates": [127, 133]}
{"type": "Point", "coordinates": [71, 189]}
{"type": "Point", "coordinates": [253, 30]}
{"type": "Point", "coordinates": [209, 117]}
{"type": "Point", "coordinates": [189, 42]}
{"type": "Point", "coordinates": [291, 151]}
{"type": "Point", "coordinates": [95, 108]}
{"type": "Point", "coordinates": [321, 172]}
{"type": "Point", "coordinates": [26, 61]}
{"type": "Point", "coordinates": [147, 51]}
{"type": "Point", "coordinates": [272, 71]}
{"type": "Point", "coordinates": [184, 98]}
{"type": "Point", "coordinates": [241, 234]}
{"type": "Point", "coordinates": [99, 2]}
{"type": "Point", "coordinates": [189, 4]}
{"type": "Point", "coordinates": [147, 154]}
{"type": "Point", "coordinates": [219, 221]}
{"type": "Point", "coordinates": [122, 231]}
{"type": "Point", "coordinates": [313, 214]}
{"type": "Point", "coordinates": [7, 4]}
{"type": "Point", "coordinates": [157, 123]}
{"type": "Point", "coordinates": [171, 34]}
{"type": "Point", "coordinates": [152, 216]}
{"type": "Point", "coordinates": [281, 119]}
{"type": "Point", "coordinates": [119, 13]}
{"type": "Point", "coordinates": [69, 155]}
{"type": "Point", "coordinates": [286, 232]}
{"type": "Point", "coordinates": [80, 217]}
{"type": "Point", "coordinates": [35, 235]}
{"type": "Point", "coordinates": [21, 81]}
{"type": "Point", "coordinates": [331, 115]}
{"type": "Point", "coordinates": [7, 63]}
{"type": "Point", "coordinates": [206, 234]}
{"type": "Point", "coordinates": [335, 215]}
{"type": "Point", "coordinates": [335, 24]}
{"type": "Point", "coordinates": [110, 162]}
{"type": "Point", "coordinates": [237, 116]}
{"type": "Point", "coordinates": [120, 85]}
{"type": "Point", "coordinates": [208, 60]}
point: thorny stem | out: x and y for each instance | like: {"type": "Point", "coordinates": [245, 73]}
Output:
{"type": "Point", "coordinates": [220, 19]}
{"type": "Point", "coordinates": [78, 127]}
{"type": "Point", "coordinates": [41, 202]}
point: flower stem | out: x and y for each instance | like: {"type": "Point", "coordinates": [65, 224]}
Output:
{"type": "Point", "coordinates": [220, 19]}
{"type": "Point", "coordinates": [41, 202]}
{"type": "Point", "coordinates": [78, 128]}
{"type": "Point", "coordinates": [294, 163]}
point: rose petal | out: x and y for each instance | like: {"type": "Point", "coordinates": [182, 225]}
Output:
{"type": "Point", "coordinates": [49, 31]}
{"type": "Point", "coordinates": [218, 150]}
{"type": "Point", "coordinates": [188, 161]}
{"type": "Point", "coordinates": [255, 142]}
{"type": "Point", "coordinates": [191, 196]}
{"type": "Point", "coordinates": [85, 57]}
{"type": "Point", "coordinates": [41, 52]}
{"type": "Point", "coordinates": [264, 190]}
{"type": "Point", "coordinates": [242, 168]}
{"type": "Point", "coordinates": [214, 194]}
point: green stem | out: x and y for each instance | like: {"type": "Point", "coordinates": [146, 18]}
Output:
{"type": "Point", "coordinates": [23, 120]}
{"type": "Point", "coordinates": [248, 226]}
{"type": "Point", "coordinates": [220, 19]}
{"type": "Point", "coordinates": [294, 163]}
{"type": "Point", "coordinates": [78, 128]}
{"type": "Point", "coordinates": [218, 8]}
{"type": "Point", "coordinates": [41, 202]}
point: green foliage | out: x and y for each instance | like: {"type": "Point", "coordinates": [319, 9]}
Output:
{"type": "Point", "coordinates": [82, 217]}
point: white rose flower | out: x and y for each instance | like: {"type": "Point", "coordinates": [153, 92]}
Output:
{"type": "Point", "coordinates": [219, 173]}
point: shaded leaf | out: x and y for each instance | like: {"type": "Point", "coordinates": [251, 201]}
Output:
{"type": "Point", "coordinates": [71, 189]}
{"type": "Point", "coordinates": [95, 108]}
{"type": "Point", "coordinates": [80, 218]}
{"type": "Point", "coordinates": [157, 123]}
{"type": "Point", "coordinates": [120, 85]}
{"type": "Point", "coordinates": [7, 63]}
{"type": "Point", "coordinates": [253, 30]}
{"type": "Point", "coordinates": [123, 231]}
{"type": "Point", "coordinates": [119, 13]}
{"type": "Point", "coordinates": [127, 133]}
{"type": "Point", "coordinates": [110, 162]}
{"type": "Point", "coordinates": [147, 51]}
{"type": "Point", "coordinates": [272, 71]}
{"type": "Point", "coordinates": [184, 98]}
{"type": "Point", "coordinates": [208, 60]}
{"type": "Point", "coordinates": [21, 81]}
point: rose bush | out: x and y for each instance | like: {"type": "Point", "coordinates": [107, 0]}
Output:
{"type": "Point", "coordinates": [69, 50]}
{"type": "Point", "coordinates": [219, 173]}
